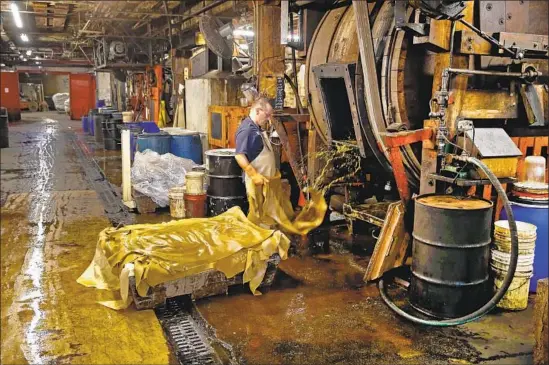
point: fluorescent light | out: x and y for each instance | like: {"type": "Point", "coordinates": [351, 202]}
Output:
{"type": "Point", "coordinates": [29, 52]}
{"type": "Point", "coordinates": [243, 32]}
{"type": "Point", "coordinates": [24, 37]}
{"type": "Point", "coordinates": [24, 59]}
{"type": "Point", "coordinates": [21, 56]}
{"type": "Point", "coordinates": [2, 64]}
{"type": "Point", "coordinates": [37, 62]}
{"type": "Point", "coordinates": [16, 15]}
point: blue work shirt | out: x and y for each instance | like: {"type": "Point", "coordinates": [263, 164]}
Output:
{"type": "Point", "coordinates": [248, 139]}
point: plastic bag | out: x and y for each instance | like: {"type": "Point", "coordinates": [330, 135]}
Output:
{"type": "Point", "coordinates": [153, 174]}
{"type": "Point", "coordinates": [59, 101]}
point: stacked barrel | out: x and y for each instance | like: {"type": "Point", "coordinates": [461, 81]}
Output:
{"type": "Point", "coordinates": [226, 187]}
{"type": "Point", "coordinates": [516, 297]}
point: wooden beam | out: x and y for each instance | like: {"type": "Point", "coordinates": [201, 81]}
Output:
{"type": "Point", "coordinates": [269, 60]}
{"type": "Point", "coordinates": [367, 57]}
{"type": "Point", "coordinates": [489, 104]}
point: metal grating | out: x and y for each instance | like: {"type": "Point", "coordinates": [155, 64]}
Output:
{"type": "Point", "coordinates": [114, 208]}
{"type": "Point", "coordinates": [185, 334]}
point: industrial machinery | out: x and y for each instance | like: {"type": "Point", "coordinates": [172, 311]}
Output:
{"type": "Point", "coordinates": [416, 89]}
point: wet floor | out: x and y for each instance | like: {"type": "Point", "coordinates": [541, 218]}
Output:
{"type": "Point", "coordinates": [49, 227]}
{"type": "Point", "coordinates": [318, 311]}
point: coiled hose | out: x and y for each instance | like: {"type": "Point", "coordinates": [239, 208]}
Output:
{"type": "Point", "coordinates": [508, 277]}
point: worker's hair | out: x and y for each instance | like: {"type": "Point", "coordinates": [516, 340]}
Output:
{"type": "Point", "coordinates": [261, 102]}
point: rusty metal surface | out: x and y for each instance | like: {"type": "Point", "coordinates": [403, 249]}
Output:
{"type": "Point", "coordinates": [451, 251]}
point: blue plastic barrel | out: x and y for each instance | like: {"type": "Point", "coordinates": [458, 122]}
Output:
{"type": "Point", "coordinates": [150, 127]}
{"type": "Point", "coordinates": [100, 103]}
{"type": "Point", "coordinates": [537, 215]}
{"type": "Point", "coordinates": [158, 142]}
{"type": "Point", "coordinates": [85, 124]}
{"type": "Point", "coordinates": [187, 145]}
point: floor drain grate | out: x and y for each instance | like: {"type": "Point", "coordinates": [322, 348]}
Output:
{"type": "Point", "coordinates": [114, 209]}
{"type": "Point", "coordinates": [184, 334]}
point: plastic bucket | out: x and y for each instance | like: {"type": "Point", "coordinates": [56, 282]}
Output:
{"type": "Point", "coordinates": [127, 117]}
{"type": "Point", "coordinates": [195, 205]}
{"type": "Point", "coordinates": [537, 215]}
{"type": "Point", "coordinates": [177, 201]}
{"type": "Point", "coordinates": [525, 247]}
{"type": "Point", "coordinates": [194, 182]}
{"type": "Point", "coordinates": [516, 297]}
{"type": "Point", "coordinates": [525, 230]}
{"type": "Point", "coordinates": [157, 142]}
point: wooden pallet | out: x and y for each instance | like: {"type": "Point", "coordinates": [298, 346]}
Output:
{"type": "Point", "coordinates": [143, 203]}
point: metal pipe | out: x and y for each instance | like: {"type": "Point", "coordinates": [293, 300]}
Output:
{"type": "Point", "coordinates": [520, 75]}
{"type": "Point", "coordinates": [126, 12]}
{"type": "Point", "coordinates": [489, 38]}
{"type": "Point", "coordinates": [202, 10]}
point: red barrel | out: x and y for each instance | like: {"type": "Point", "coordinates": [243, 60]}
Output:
{"type": "Point", "coordinates": [195, 206]}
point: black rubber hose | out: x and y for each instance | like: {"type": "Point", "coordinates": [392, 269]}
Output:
{"type": "Point", "coordinates": [508, 277]}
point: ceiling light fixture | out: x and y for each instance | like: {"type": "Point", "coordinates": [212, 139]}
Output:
{"type": "Point", "coordinates": [29, 52]}
{"type": "Point", "coordinates": [24, 59]}
{"type": "Point", "coordinates": [24, 37]}
{"type": "Point", "coordinates": [16, 15]}
{"type": "Point", "coordinates": [37, 62]}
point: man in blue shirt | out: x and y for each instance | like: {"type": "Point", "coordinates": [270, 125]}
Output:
{"type": "Point", "coordinates": [254, 152]}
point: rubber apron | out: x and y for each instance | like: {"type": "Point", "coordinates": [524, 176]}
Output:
{"type": "Point", "coordinates": [265, 162]}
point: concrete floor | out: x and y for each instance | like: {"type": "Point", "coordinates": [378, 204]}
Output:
{"type": "Point", "coordinates": [318, 310]}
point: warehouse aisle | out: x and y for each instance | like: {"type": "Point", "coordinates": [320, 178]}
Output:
{"type": "Point", "coordinates": [49, 227]}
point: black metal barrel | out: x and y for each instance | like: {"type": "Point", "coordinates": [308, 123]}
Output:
{"type": "Point", "coordinates": [112, 134]}
{"type": "Point", "coordinates": [4, 131]}
{"type": "Point", "coordinates": [451, 252]}
{"type": "Point", "coordinates": [226, 188]}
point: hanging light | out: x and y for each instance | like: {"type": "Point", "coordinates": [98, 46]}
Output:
{"type": "Point", "coordinates": [16, 15]}
{"type": "Point", "coordinates": [24, 37]}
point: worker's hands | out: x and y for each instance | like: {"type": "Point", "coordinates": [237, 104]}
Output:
{"type": "Point", "coordinates": [255, 176]}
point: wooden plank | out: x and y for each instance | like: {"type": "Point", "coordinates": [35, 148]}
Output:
{"type": "Point", "coordinates": [438, 34]}
{"type": "Point", "coordinates": [366, 46]}
{"type": "Point", "coordinates": [392, 244]}
{"type": "Point", "coordinates": [541, 323]}
{"type": "Point", "coordinates": [489, 104]}
{"type": "Point", "coordinates": [428, 162]}
{"type": "Point", "coordinates": [468, 42]}
{"type": "Point", "coordinates": [499, 205]}
{"type": "Point", "coordinates": [312, 161]}
{"type": "Point", "coordinates": [487, 192]}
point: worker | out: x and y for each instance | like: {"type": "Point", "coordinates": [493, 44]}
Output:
{"type": "Point", "coordinates": [254, 152]}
